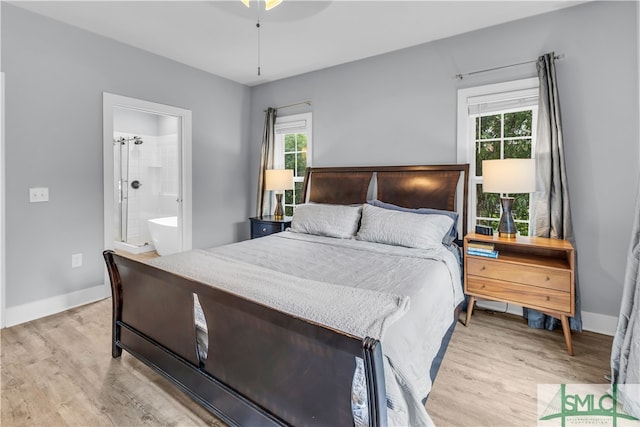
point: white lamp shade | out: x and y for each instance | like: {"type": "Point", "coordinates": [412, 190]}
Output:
{"type": "Point", "coordinates": [509, 176]}
{"type": "Point", "coordinates": [279, 179]}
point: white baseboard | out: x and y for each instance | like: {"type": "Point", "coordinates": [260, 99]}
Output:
{"type": "Point", "coordinates": [48, 306]}
{"type": "Point", "coordinates": [600, 323]}
{"type": "Point", "coordinates": [593, 322]}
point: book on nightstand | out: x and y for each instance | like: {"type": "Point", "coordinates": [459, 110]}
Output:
{"type": "Point", "coordinates": [481, 246]}
{"type": "Point", "coordinates": [484, 253]}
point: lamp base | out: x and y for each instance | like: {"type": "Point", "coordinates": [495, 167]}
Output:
{"type": "Point", "coordinates": [278, 214]}
{"type": "Point", "coordinates": [507, 227]}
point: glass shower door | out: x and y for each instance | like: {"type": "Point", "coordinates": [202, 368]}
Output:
{"type": "Point", "coordinates": [121, 167]}
{"type": "Point", "coordinates": [131, 171]}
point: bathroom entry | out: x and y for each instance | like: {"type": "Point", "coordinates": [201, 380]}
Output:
{"type": "Point", "coordinates": [146, 169]}
{"type": "Point", "coordinates": [147, 176]}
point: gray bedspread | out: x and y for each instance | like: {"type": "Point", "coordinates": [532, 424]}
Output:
{"type": "Point", "coordinates": [403, 297]}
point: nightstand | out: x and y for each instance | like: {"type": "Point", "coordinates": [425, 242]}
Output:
{"type": "Point", "coordinates": [533, 272]}
{"type": "Point", "coordinates": [266, 225]}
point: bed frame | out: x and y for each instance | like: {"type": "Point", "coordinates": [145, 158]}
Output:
{"type": "Point", "coordinates": [266, 367]}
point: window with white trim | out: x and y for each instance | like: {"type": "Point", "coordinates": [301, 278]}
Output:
{"type": "Point", "coordinates": [497, 121]}
{"type": "Point", "coordinates": [292, 150]}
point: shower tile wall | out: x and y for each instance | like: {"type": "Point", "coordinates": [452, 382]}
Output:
{"type": "Point", "coordinates": [168, 179]}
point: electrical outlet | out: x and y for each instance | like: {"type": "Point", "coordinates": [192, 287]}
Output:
{"type": "Point", "coordinates": [38, 194]}
{"type": "Point", "coordinates": [76, 260]}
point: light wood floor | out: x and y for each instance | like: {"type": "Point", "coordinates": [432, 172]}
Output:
{"type": "Point", "coordinates": [58, 371]}
{"type": "Point", "coordinates": [490, 372]}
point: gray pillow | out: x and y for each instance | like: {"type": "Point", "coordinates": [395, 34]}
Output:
{"type": "Point", "coordinates": [393, 227]}
{"type": "Point", "coordinates": [448, 239]}
{"type": "Point", "coordinates": [339, 221]}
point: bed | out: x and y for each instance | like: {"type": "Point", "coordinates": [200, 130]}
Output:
{"type": "Point", "coordinates": [290, 329]}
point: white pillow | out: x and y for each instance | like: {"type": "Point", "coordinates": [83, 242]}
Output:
{"type": "Point", "coordinates": [339, 221]}
{"type": "Point", "coordinates": [403, 228]}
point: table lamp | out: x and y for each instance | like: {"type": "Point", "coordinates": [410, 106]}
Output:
{"type": "Point", "coordinates": [508, 176]}
{"type": "Point", "coordinates": [279, 180]}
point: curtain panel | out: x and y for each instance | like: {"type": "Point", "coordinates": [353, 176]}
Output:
{"type": "Point", "coordinates": [266, 159]}
{"type": "Point", "coordinates": [625, 352]}
{"type": "Point", "coordinates": [550, 209]}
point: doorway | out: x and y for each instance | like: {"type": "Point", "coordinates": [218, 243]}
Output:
{"type": "Point", "coordinates": [147, 176]}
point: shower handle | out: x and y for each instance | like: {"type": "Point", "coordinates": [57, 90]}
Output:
{"type": "Point", "coordinates": [123, 194]}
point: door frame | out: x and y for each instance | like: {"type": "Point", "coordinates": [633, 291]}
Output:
{"type": "Point", "coordinates": [3, 294]}
{"type": "Point", "coordinates": [111, 101]}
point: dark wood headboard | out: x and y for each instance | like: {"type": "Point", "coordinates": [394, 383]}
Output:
{"type": "Point", "coordinates": [427, 186]}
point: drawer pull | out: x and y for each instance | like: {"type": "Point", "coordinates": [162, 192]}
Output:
{"type": "Point", "coordinates": [264, 230]}
{"type": "Point", "coordinates": [548, 298]}
{"type": "Point", "coordinates": [547, 278]}
{"type": "Point", "coordinates": [483, 268]}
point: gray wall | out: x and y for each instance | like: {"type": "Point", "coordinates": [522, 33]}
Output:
{"type": "Point", "coordinates": [400, 108]}
{"type": "Point", "coordinates": [55, 76]}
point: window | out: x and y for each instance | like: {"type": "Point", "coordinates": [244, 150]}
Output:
{"type": "Point", "coordinates": [497, 122]}
{"type": "Point", "coordinates": [293, 151]}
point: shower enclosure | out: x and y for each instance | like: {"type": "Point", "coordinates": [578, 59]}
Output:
{"type": "Point", "coordinates": [146, 175]}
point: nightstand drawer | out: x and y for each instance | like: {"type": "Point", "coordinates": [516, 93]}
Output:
{"type": "Point", "coordinates": [530, 296]}
{"type": "Point", "coordinates": [529, 275]}
{"type": "Point", "coordinates": [261, 229]}
{"type": "Point", "coordinates": [266, 225]}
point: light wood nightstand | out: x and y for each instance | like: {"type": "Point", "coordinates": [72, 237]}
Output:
{"type": "Point", "coordinates": [533, 272]}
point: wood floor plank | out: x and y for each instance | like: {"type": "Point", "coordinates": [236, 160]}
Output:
{"type": "Point", "coordinates": [59, 371]}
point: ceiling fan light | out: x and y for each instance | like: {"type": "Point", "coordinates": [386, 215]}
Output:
{"type": "Point", "coordinates": [269, 4]}
{"type": "Point", "coordinates": [245, 2]}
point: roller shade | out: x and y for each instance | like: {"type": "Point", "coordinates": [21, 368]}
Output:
{"type": "Point", "coordinates": [502, 101]}
{"type": "Point", "coordinates": [291, 127]}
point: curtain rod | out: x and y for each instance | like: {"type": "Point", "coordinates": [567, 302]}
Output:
{"type": "Point", "coordinates": [462, 75]}
{"type": "Point", "coordinates": [292, 105]}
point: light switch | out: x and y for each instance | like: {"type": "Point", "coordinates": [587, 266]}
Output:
{"type": "Point", "coordinates": [76, 260]}
{"type": "Point", "coordinates": [38, 194]}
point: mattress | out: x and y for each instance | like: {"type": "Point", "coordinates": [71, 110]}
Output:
{"type": "Point", "coordinates": [428, 279]}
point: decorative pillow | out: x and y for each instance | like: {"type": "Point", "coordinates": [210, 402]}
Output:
{"type": "Point", "coordinates": [448, 239]}
{"type": "Point", "coordinates": [398, 228]}
{"type": "Point", "coordinates": [339, 221]}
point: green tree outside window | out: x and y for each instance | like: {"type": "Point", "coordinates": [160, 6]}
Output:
{"type": "Point", "coordinates": [295, 157]}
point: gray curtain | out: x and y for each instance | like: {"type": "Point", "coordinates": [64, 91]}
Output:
{"type": "Point", "coordinates": [625, 353]}
{"type": "Point", "coordinates": [266, 159]}
{"type": "Point", "coordinates": [550, 211]}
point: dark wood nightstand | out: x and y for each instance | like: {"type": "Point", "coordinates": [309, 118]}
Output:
{"type": "Point", "coordinates": [533, 272]}
{"type": "Point", "coordinates": [266, 225]}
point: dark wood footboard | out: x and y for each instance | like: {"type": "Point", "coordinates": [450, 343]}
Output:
{"type": "Point", "coordinates": [263, 367]}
